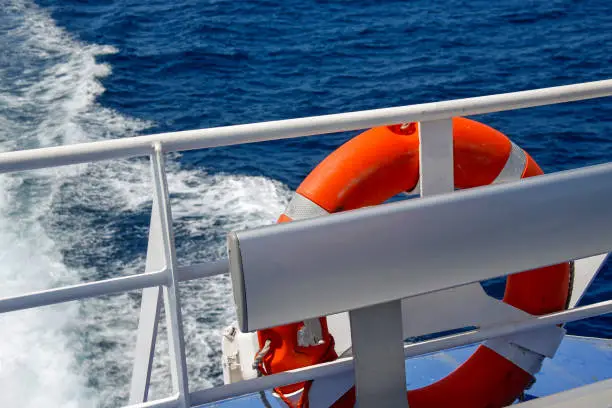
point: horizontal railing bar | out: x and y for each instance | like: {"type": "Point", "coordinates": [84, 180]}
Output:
{"type": "Point", "coordinates": [203, 270]}
{"type": "Point", "coordinates": [291, 128]}
{"type": "Point", "coordinates": [475, 336]}
{"type": "Point", "coordinates": [410, 350]}
{"type": "Point", "coordinates": [271, 381]}
{"type": "Point", "coordinates": [109, 286]}
{"type": "Point", "coordinates": [82, 291]}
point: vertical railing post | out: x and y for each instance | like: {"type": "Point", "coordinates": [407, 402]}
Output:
{"type": "Point", "coordinates": [150, 307]}
{"type": "Point", "coordinates": [376, 331]}
{"type": "Point", "coordinates": [377, 341]}
{"type": "Point", "coordinates": [436, 157]}
{"type": "Point", "coordinates": [176, 337]}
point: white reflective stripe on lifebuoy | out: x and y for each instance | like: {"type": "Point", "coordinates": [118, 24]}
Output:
{"type": "Point", "coordinates": [527, 350]}
{"type": "Point", "coordinates": [301, 208]}
{"type": "Point", "coordinates": [514, 167]}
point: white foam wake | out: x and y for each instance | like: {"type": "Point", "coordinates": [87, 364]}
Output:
{"type": "Point", "coordinates": [67, 225]}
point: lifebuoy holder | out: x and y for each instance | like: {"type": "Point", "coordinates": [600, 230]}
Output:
{"type": "Point", "coordinates": [369, 169]}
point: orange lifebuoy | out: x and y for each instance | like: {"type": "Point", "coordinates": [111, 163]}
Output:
{"type": "Point", "coordinates": [377, 165]}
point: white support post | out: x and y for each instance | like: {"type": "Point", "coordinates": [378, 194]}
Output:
{"type": "Point", "coordinates": [436, 157]}
{"type": "Point", "coordinates": [150, 307]}
{"type": "Point", "coordinates": [380, 374]}
{"type": "Point", "coordinates": [176, 337]}
{"type": "Point", "coordinates": [376, 331]}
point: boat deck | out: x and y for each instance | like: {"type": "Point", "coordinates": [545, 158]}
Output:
{"type": "Point", "coordinates": [579, 361]}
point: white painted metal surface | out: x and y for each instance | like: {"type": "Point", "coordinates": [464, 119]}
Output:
{"type": "Point", "coordinates": [528, 350]}
{"type": "Point", "coordinates": [109, 286]}
{"type": "Point", "coordinates": [484, 232]}
{"type": "Point", "coordinates": [285, 129]}
{"type": "Point", "coordinates": [340, 327]}
{"type": "Point", "coordinates": [238, 353]}
{"type": "Point", "coordinates": [82, 291]}
{"type": "Point", "coordinates": [380, 375]}
{"type": "Point", "coordinates": [150, 308]}
{"type": "Point", "coordinates": [436, 157]}
{"type": "Point", "coordinates": [169, 275]}
{"type": "Point", "coordinates": [176, 339]}
{"type": "Point", "coordinates": [445, 310]}
{"type": "Point", "coordinates": [585, 271]}
{"type": "Point", "coordinates": [508, 328]}
{"type": "Point", "coordinates": [376, 330]}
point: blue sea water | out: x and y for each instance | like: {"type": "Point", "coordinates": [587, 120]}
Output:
{"type": "Point", "coordinates": [74, 71]}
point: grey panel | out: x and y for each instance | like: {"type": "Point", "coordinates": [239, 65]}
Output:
{"type": "Point", "coordinates": [354, 259]}
{"type": "Point", "coordinates": [380, 375]}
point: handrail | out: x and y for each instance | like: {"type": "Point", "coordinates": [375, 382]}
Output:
{"type": "Point", "coordinates": [82, 291]}
{"type": "Point", "coordinates": [108, 286]}
{"type": "Point", "coordinates": [291, 128]}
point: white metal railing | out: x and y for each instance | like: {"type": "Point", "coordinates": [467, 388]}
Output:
{"type": "Point", "coordinates": [169, 276]}
{"type": "Point", "coordinates": [291, 128]}
{"type": "Point", "coordinates": [109, 286]}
